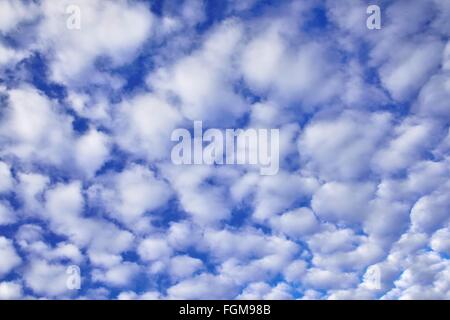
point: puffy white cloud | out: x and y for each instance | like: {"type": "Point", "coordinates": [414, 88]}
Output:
{"type": "Point", "coordinates": [130, 194]}
{"type": "Point", "coordinates": [63, 210]}
{"type": "Point", "coordinates": [204, 285]}
{"type": "Point", "coordinates": [73, 52]}
{"type": "Point", "coordinates": [411, 138]}
{"type": "Point", "coordinates": [15, 12]}
{"type": "Point", "coordinates": [411, 67]}
{"type": "Point", "coordinates": [33, 130]}
{"type": "Point", "coordinates": [203, 80]}
{"type": "Point", "coordinates": [263, 291]}
{"type": "Point", "coordinates": [85, 172]}
{"type": "Point", "coordinates": [7, 215]}
{"type": "Point", "coordinates": [184, 266]}
{"type": "Point", "coordinates": [10, 258]}
{"type": "Point", "coordinates": [30, 191]}
{"type": "Point", "coordinates": [91, 151]}
{"type": "Point", "coordinates": [296, 224]}
{"type": "Point", "coordinates": [183, 235]}
{"type": "Point", "coordinates": [306, 72]}
{"type": "Point", "coordinates": [433, 97]}
{"type": "Point", "coordinates": [46, 279]}
{"type": "Point", "coordinates": [119, 275]}
{"type": "Point", "coordinates": [431, 211]}
{"type": "Point", "coordinates": [144, 124]}
{"type": "Point", "coordinates": [295, 271]}
{"type": "Point", "coordinates": [343, 202]}
{"type": "Point", "coordinates": [245, 244]}
{"type": "Point", "coordinates": [31, 240]}
{"type": "Point", "coordinates": [340, 147]}
{"type": "Point", "coordinates": [440, 241]}
{"type": "Point", "coordinates": [154, 249]}
{"type": "Point", "coordinates": [425, 278]}
{"type": "Point", "coordinates": [326, 279]}
{"type": "Point", "coordinates": [275, 194]}
{"type": "Point", "coordinates": [130, 295]}
{"type": "Point", "coordinates": [207, 203]}
{"type": "Point", "coordinates": [10, 290]}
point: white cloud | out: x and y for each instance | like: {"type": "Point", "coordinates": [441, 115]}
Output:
{"type": "Point", "coordinates": [73, 52]}
{"type": "Point", "coordinates": [10, 258]}
{"type": "Point", "coordinates": [6, 178]}
{"type": "Point", "coordinates": [91, 151]}
{"type": "Point", "coordinates": [13, 13]}
{"type": "Point", "coordinates": [119, 275]}
{"type": "Point", "coordinates": [63, 210]}
{"type": "Point", "coordinates": [440, 241]}
{"type": "Point", "coordinates": [202, 81]}
{"type": "Point", "coordinates": [204, 285]}
{"type": "Point", "coordinates": [154, 249]}
{"type": "Point", "coordinates": [296, 224]}
{"type": "Point", "coordinates": [46, 279]}
{"type": "Point", "coordinates": [206, 203]}
{"type": "Point", "coordinates": [7, 215]}
{"type": "Point", "coordinates": [33, 130]}
{"type": "Point", "coordinates": [10, 290]}
{"type": "Point", "coordinates": [131, 193]}
{"type": "Point", "coordinates": [263, 291]}
{"type": "Point", "coordinates": [343, 202]}
{"type": "Point", "coordinates": [305, 73]}
{"type": "Point", "coordinates": [431, 211]}
{"type": "Point", "coordinates": [326, 279]}
{"type": "Point", "coordinates": [364, 150]}
{"type": "Point", "coordinates": [411, 67]}
{"type": "Point", "coordinates": [339, 148]}
{"type": "Point", "coordinates": [409, 140]}
{"type": "Point", "coordinates": [184, 266]}
{"type": "Point", "coordinates": [144, 124]}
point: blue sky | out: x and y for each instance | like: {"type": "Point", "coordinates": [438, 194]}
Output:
{"type": "Point", "coordinates": [359, 208]}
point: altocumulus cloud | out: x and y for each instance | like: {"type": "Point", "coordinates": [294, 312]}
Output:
{"type": "Point", "coordinates": [86, 178]}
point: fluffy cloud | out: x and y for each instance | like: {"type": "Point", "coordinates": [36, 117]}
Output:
{"type": "Point", "coordinates": [144, 125]}
{"type": "Point", "coordinates": [10, 290]}
{"type": "Point", "coordinates": [74, 51]}
{"type": "Point", "coordinates": [33, 130]}
{"type": "Point", "coordinates": [10, 258]}
{"type": "Point", "coordinates": [357, 210]}
{"type": "Point", "coordinates": [128, 195]}
{"type": "Point", "coordinates": [342, 202]}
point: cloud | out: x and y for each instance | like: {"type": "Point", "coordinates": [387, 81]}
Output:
{"type": "Point", "coordinates": [10, 290]}
{"type": "Point", "coordinates": [46, 279]}
{"type": "Point", "coordinates": [131, 193]}
{"type": "Point", "coordinates": [6, 178]}
{"type": "Point", "coordinates": [355, 138]}
{"type": "Point", "coordinates": [296, 223]}
{"type": "Point", "coordinates": [342, 202]}
{"type": "Point", "coordinates": [33, 130]}
{"type": "Point", "coordinates": [209, 95]}
{"type": "Point", "coordinates": [15, 12]}
{"type": "Point", "coordinates": [6, 214]}
{"type": "Point", "coordinates": [73, 52]}
{"type": "Point", "coordinates": [10, 258]}
{"type": "Point", "coordinates": [143, 135]}
{"type": "Point", "coordinates": [215, 287]}
{"type": "Point", "coordinates": [91, 151]}
{"type": "Point", "coordinates": [86, 176]}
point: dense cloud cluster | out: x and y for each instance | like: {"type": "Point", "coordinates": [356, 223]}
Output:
{"type": "Point", "coordinates": [86, 177]}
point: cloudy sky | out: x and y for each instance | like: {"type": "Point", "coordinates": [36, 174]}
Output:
{"type": "Point", "coordinates": [86, 178]}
